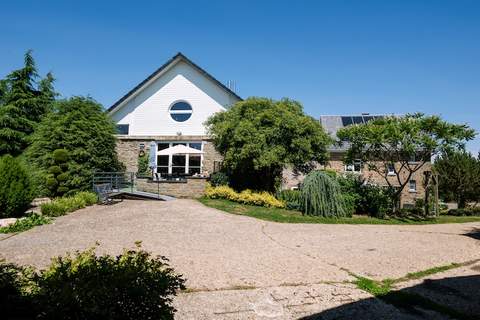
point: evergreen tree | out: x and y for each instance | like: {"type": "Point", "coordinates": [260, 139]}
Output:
{"type": "Point", "coordinates": [81, 127]}
{"type": "Point", "coordinates": [23, 103]}
{"type": "Point", "coordinates": [459, 177]}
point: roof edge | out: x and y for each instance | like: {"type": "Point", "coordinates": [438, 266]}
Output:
{"type": "Point", "coordinates": [178, 56]}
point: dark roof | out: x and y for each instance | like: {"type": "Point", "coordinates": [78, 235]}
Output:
{"type": "Point", "coordinates": [332, 124]}
{"type": "Point", "coordinates": [165, 65]}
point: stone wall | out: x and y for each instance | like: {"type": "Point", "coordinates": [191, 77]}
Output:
{"type": "Point", "coordinates": [128, 149]}
{"type": "Point", "coordinates": [192, 187]}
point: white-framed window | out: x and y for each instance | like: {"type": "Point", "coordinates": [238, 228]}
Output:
{"type": "Point", "coordinates": [180, 111]}
{"type": "Point", "coordinates": [391, 169]}
{"type": "Point", "coordinates": [412, 185]}
{"type": "Point", "coordinates": [179, 163]}
{"type": "Point", "coordinates": [356, 166]}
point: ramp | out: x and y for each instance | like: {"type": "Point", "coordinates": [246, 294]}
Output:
{"type": "Point", "coordinates": [110, 185]}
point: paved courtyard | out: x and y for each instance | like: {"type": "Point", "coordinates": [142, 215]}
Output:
{"type": "Point", "coordinates": [242, 268]}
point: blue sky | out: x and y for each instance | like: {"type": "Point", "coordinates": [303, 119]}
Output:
{"type": "Point", "coordinates": [336, 57]}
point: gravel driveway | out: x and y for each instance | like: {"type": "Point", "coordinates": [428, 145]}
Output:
{"type": "Point", "coordinates": [240, 267]}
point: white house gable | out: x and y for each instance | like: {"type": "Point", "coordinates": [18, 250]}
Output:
{"type": "Point", "coordinates": [148, 110]}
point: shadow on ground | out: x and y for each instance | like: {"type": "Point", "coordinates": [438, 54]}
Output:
{"type": "Point", "coordinates": [448, 298]}
{"type": "Point", "coordinates": [474, 233]}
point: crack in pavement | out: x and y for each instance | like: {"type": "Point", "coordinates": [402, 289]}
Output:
{"type": "Point", "coordinates": [300, 252]}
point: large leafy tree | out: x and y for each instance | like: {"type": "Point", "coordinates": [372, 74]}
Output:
{"type": "Point", "coordinates": [407, 143]}
{"type": "Point", "coordinates": [258, 137]}
{"type": "Point", "coordinates": [80, 128]}
{"type": "Point", "coordinates": [24, 100]}
{"type": "Point", "coordinates": [459, 177]}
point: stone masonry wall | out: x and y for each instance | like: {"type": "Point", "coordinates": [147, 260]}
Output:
{"type": "Point", "coordinates": [128, 149]}
{"type": "Point", "coordinates": [191, 188]}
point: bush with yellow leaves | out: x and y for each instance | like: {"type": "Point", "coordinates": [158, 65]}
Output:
{"type": "Point", "coordinates": [263, 198]}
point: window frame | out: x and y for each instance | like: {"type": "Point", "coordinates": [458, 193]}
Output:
{"type": "Point", "coordinates": [392, 172]}
{"type": "Point", "coordinates": [187, 156]}
{"type": "Point", "coordinates": [410, 189]}
{"type": "Point", "coordinates": [352, 165]}
{"type": "Point", "coordinates": [122, 125]}
{"type": "Point", "coordinates": [172, 112]}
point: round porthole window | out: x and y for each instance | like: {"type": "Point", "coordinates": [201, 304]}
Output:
{"type": "Point", "coordinates": [180, 111]}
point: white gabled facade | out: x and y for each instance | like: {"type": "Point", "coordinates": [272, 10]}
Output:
{"type": "Point", "coordinates": [147, 111]}
{"type": "Point", "coordinates": [170, 107]}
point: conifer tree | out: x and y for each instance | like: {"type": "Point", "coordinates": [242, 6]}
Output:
{"type": "Point", "coordinates": [23, 102]}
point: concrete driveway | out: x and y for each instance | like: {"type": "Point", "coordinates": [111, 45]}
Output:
{"type": "Point", "coordinates": [239, 267]}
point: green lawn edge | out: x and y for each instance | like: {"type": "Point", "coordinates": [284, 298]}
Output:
{"type": "Point", "coordinates": [290, 216]}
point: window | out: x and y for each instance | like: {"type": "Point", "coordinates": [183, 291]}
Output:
{"type": "Point", "coordinates": [412, 185]}
{"type": "Point", "coordinates": [356, 166]}
{"type": "Point", "coordinates": [194, 163]}
{"type": "Point", "coordinates": [180, 111]}
{"type": "Point", "coordinates": [122, 129]}
{"type": "Point", "coordinates": [391, 169]}
{"type": "Point", "coordinates": [179, 163]}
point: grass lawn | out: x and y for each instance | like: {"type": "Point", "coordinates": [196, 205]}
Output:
{"type": "Point", "coordinates": [289, 216]}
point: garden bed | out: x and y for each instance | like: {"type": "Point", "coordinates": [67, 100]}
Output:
{"type": "Point", "coordinates": [291, 216]}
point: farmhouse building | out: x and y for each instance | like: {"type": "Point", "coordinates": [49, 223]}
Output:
{"type": "Point", "coordinates": [163, 118]}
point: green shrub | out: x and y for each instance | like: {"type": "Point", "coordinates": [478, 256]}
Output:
{"type": "Point", "coordinates": [86, 135]}
{"type": "Point", "coordinates": [219, 179]}
{"type": "Point", "coordinates": [475, 211]}
{"type": "Point", "coordinates": [409, 212]}
{"type": "Point", "coordinates": [14, 300]}
{"type": "Point", "coordinates": [16, 190]}
{"type": "Point", "coordinates": [264, 199]}
{"type": "Point", "coordinates": [143, 168]}
{"type": "Point", "coordinates": [62, 206]}
{"type": "Point", "coordinates": [364, 197]}
{"type": "Point", "coordinates": [56, 180]}
{"type": "Point", "coordinates": [321, 196]}
{"type": "Point", "coordinates": [133, 285]}
{"type": "Point", "coordinates": [350, 201]}
{"type": "Point", "coordinates": [292, 199]}
{"type": "Point", "coordinates": [26, 223]}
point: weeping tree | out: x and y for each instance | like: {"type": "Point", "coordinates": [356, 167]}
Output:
{"type": "Point", "coordinates": [321, 196]}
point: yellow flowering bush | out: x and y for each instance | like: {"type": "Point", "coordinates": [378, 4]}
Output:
{"type": "Point", "coordinates": [264, 199]}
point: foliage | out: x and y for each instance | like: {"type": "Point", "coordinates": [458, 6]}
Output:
{"type": "Point", "coordinates": [132, 285]}
{"type": "Point", "coordinates": [14, 300]}
{"type": "Point", "coordinates": [292, 199]}
{"type": "Point", "coordinates": [459, 177]}
{"type": "Point", "coordinates": [26, 223]}
{"type": "Point", "coordinates": [219, 179]}
{"type": "Point", "coordinates": [258, 137]}
{"type": "Point", "coordinates": [289, 216]}
{"type": "Point", "coordinates": [246, 196]}
{"type": "Point", "coordinates": [16, 191]}
{"type": "Point", "coordinates": [475, 211]}
{"type": "Point", "coordinates": [62, 206]}
{"type": "Point", "coordinates": [79, 126]}
{"type": "Point", "coordinates": [143, 168]}
{"type": "Point", "coordinates": [321, 196]}
{"type": "Point", "coordinates": [409, 142]}
{"type": "Point", "coordinates": [57, 178]}
{"type": "Point", "coordinates": [23, 103]}
{"type": "Point", "coordinates": [364, 197]}
{"type": "Point", "coordinates": [376, 288]}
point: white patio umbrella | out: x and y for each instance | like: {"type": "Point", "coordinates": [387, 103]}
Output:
{"type": "Point", "coordinates": [178, 149]}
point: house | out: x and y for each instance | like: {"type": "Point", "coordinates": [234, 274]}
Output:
{"type": "Point", "coordinates": [332, 124]}
{"type": "Point", "coordinates": [163, 117]}
{"type": "Point", "coordinates": [168, 109]}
